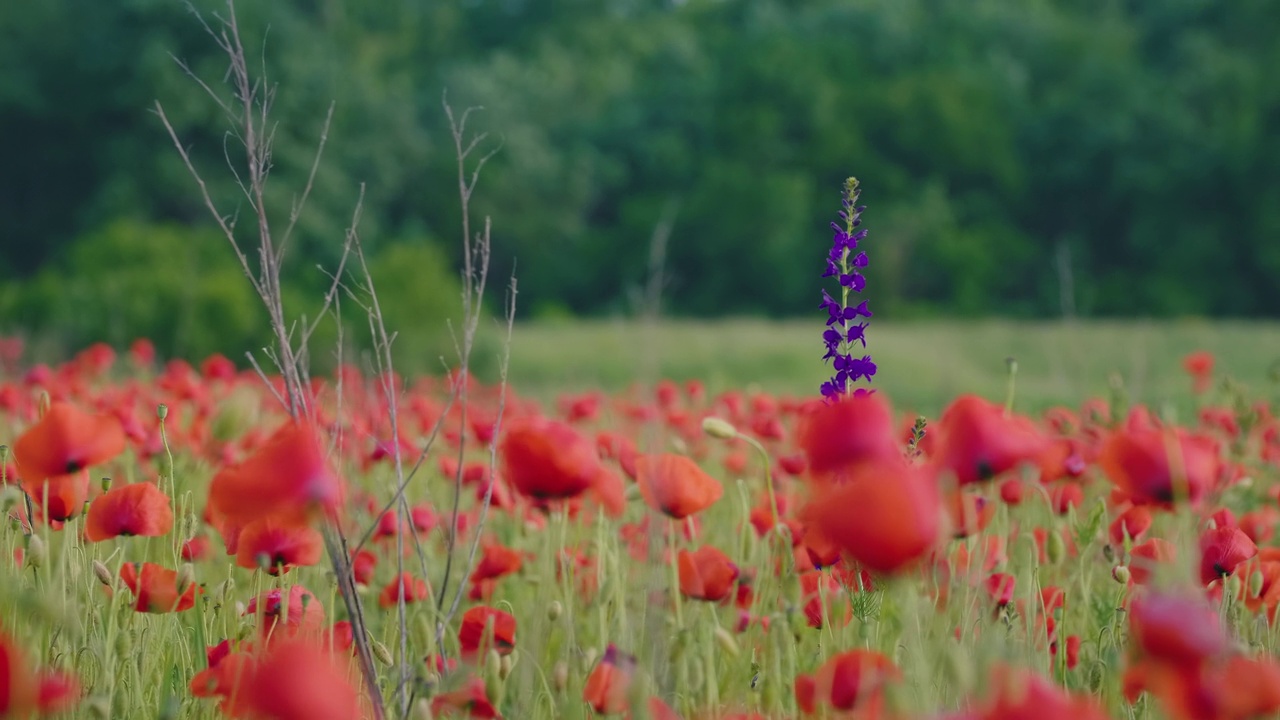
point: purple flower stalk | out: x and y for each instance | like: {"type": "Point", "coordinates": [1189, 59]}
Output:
{"type": "Point", "coordinates": [844, 332]}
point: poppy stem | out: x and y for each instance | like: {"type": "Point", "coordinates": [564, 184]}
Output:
{"type": "Point", "coordinates": [673, 533]}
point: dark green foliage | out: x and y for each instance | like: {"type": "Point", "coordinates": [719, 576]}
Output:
{"type": "Point", "coordinates": [1003, 147]}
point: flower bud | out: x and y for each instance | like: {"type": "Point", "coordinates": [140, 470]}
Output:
{"type": "Point", "coordinates": [1255, 584]}
{"type": "Point", "coordinates": [1121, 574]}
{"type": "Point", "coordinates": [37, 552]}
{"type": "Point", "coordinates": [103, 574]}
{"type": "Point", "coordinates": [1055, 547]}
{"type": "Point", "coordinates": [589, 658]}
{"type": "Point", "coordinates": [1232, 585]}
{"type": "Point", "coordinates": [506, 664]}
{"type": "Point", "coordinates": [381, 652]}
{"type": "Point", "coordinates": [554, 610]}
{"type": "Point", "coordinates": [719, 428]}
{"type": "Point", "coordinates": [560, 676]}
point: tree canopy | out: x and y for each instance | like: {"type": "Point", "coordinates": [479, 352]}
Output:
{"type": "Point", "coordinates": [1100, 157]}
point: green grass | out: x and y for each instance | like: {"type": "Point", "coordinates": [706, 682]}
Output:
{"type": "Point", "coordinates": [921, 365]}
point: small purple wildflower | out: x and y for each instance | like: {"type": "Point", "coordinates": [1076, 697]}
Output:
{"type": "Point", "coordinates": [843, 331]}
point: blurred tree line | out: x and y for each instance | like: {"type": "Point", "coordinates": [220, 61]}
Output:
{"type": "Point", "coordinates": [1098, 157]}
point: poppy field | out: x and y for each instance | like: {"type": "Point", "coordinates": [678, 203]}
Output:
{"type": "Point", "coordinates": [660, 552]}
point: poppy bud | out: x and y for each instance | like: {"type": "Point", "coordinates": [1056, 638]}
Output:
{"type": "Point", "coordinates": [1055, 547]}
{"type": "Point", "coordinates": [718, 428]}
{"type": "Point", "coordinates": [1255, 584]}
{"type": "Point", "coordinates": [37, 551]}
{"type": "Point", "coordinates": [560, 676]}
{"type": "Point", "coordinates": [9, 495]}
{"type": "Point", "coordinates": [1108, 552]}
{"type": "Point", "coordinates": [589, 657]}
{"type": "Point", "coordinates": [381, 652]}
{"type": "Point", "coordinates": [554, 610]}
{"type": "Point", "coordinates": [506, 664]}
{"type": "Point", "coordinates": [162, 411]}
{"type": "Point", "coordinates": [493, 673]}
{"type": "Point", "coordinates": [102, 573]}
{"type": "Point", "coordinates": [1121, 574]}
{"type": "Point", "coordinates": [422, 710]}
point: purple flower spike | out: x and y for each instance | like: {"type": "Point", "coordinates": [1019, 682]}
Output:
{"type": "Point", "coordinates": [843, 331]}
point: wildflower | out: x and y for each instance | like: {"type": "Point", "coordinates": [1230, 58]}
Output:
{"type": "Point", "coordinates": [24, 691]}
{"type": "Point", "coordinates": [414, 589]}
{"type": "Point", "coordinates": [156, 588]}
{"type": "Point", "coordinates": [300, 614]}
{"type": "Point", "coordinates": [608, 686]}
{"type": "Point", "coordinates": [288, 477]}
{"type": "Point", "coordinates": [1222, 550]}
{"type": "Point", "coordinates": [980, 440]}
{"type": "Point", "coordinates": [547, 460]}
{"type": "Point", "coordinates": [706, 574]}
{"type": "Point", "coordinates": [843, 329]}
{"type": "Point", "coordinates": [1199, 365]}
{"type": "Point", "coordinates": [837, 436]}
{"type": "Point", "coordinates": [65, 441]}
{"type": "Point", "coordinates": [675, 485]}
{"type": "Point", "coordinates": [1160, 466]}
{"type": "Point", "coordinates": [854, 679]}
{"type": "Point", "coordinates": [484, 627]}
{"type": "Point", "coordinates": [296, 680]}
{"type": "Point", "coordinates": [886, 515]}
{"type": "Point", "coordinates": [278, 547]}
{"type": "Point", "coordinates": [139, 509]}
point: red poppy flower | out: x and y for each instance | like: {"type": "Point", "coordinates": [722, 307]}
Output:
{"type": "Point", "coordinates": [288, 477]}
{"type": "Point", "coordinates": [59, 498]}
{"type": "Point", "coordinates": [854, 430]}
{"type": "Point", "coordinates": [481, 623]}
{"type": "Point", "coordinates": [1018, 694]}
{"type": "Point", "coordinates": [277, 547]}
{"type": "Point", "coordinates": [1000, 587]}
{"type": "Point", "coordinates": [496, 560]}
{"type": "Point", "coordinates": [1222, 550]}
{"type": "Point", "coordinates": [547, 460]}
{"type": "Point", "coordinates": [363, 564]}
{"type": "Point", "coordinates": [302, 614]}
{"type": "Point", "coordinates": [608, 687]}
{"type": "Point", "coordinates": [886, 516]}
{"type": "Point", "coordinates": [25, 692]}
{"type": "Point", "coordinates": [821, 592]}
{"type": "Point", "coordinates": [196, 549]}
{"type": "Point", "coordinates": [299, 680]}
{"type": "Point", "coordinates": [470, 701]}
{"type": "Point", "coordinates": [1174, 629]}
{"type": "Point", "coordinates": [1159, 466]}
{"type": "Point", "coordinates": [1199, 365]}
{"type": "Point", "coordinates": [706, 574]}
{"type": "Point", "coordinates": [1133, 523]}
{"type": "Point", "coordinates": [140, 509]}
{"type": "Point", "coordinates": [854, 679]}
{"type": "Point", "coordinates": [65, 441]}
{"type": "Point", "coordinates": [675, 485]}
{"type": "Point", "coordinates": [155, 588]}
{"type": "Point", "coordinates": [414, 589]}
{"type": "Point", "coordinates": [978, 440]}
